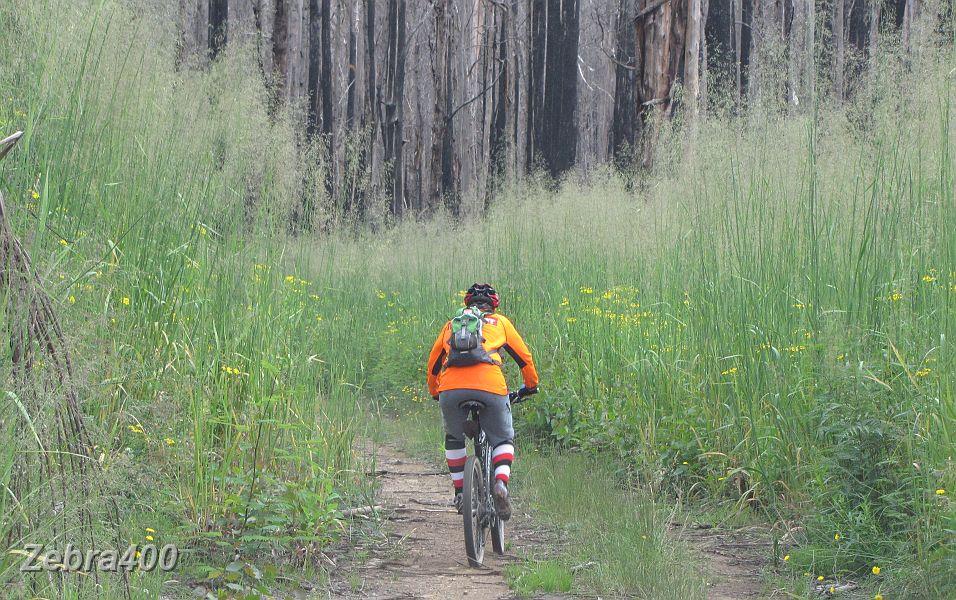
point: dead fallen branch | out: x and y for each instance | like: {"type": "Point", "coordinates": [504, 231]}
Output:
{"type": "Point", "coordinates": [360, 511]}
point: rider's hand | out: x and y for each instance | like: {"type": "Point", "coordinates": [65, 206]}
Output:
{"type": "Point", "coordinates": [435, 397]}
{"type": "Point", "coordinates": [524, 391]}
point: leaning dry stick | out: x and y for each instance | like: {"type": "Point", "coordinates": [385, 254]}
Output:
{"type": "Point", "coordinates": [34, 327]}
{"type": "Point", "coordinates": [7, 143]}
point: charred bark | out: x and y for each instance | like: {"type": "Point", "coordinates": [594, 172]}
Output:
{"type": "Point", "coordinates": [441, 188]}
{"type": "Point", "coordinates": [554, 64]}
{"type": "Point", "coordinates": [218, 26]}
{"type": "Point", "coordinates": [280, 51]}
{"type": "Point", "coordinates": [498, 136]}
{"type": "Point", "coordinates": [394, 101]}
{"type": "Point", "coordinates": [315, 66]}
{"type": "Point", "coordinates": [624, 125]}
{"type": "Point", "coordinates": [839, 49]}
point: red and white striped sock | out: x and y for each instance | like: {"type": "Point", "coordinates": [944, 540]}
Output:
{"type": "Point", "coordinates": [501, 458]}
{"type": "Point", "coordinates": [456, 455]}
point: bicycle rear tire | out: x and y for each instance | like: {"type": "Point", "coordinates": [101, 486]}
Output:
{"type": "Point", "coordinates": [472, 496]}
{"type": "Point", "coordinates": [498, 535]}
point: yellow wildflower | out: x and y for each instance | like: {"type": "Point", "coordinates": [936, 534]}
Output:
{"type": "Point", "coordinates": [587, 290]}
{"type": "Point", "coordinates": [35, 194]}
{"type": "Point", "coordinates": [820, 578]}
{"type": "Point", "coordinates": [572, 319]}
{"type": "Point", "coordinates": [928, 278]}
{"type": "Point", "coordinates": [565, 302]}
{"type": "Point", "coordinates": [125, 300]}
{"type": "Point", "coordinates": [836, 536]}
{"type": "Point", "coordinates": [150, 530]}
{"type": "Point", "coordinates": [290, 278]}
{"type": "Point", "coordinates": [941, 492]}
{"type": "Point", "coordinates": [841, 356]}
{"type": "Point", "coordinates": [878, 597]}
{"type": "Point", "coordinates": [64, 242]}
{"type": "Point", "coordinates": [72, 299]}
{"type": "Point", "coordinates": [896, 296]}
{"type": "Point", "coordinates": [923, 372]}
{"type": "Point", "coordinates": [786, 558]}
{"type": "Point", "coordinates": [170, 441]}
{"type": "Point", "coordinates": [875, 570]}
{"type": "Point", "coordinates": [730, 371]}
{"type": "Point", "coordinates": [380, 294]}
{"type": "Point", "coordinates": [149, 538]}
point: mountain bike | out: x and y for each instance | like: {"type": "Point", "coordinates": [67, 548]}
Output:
{"type": "Point", "coordinates": [478, 506]}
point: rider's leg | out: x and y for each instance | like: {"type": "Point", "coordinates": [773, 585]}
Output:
{"type": "Point", "coordinates": [454, 420]}
{"type": "Point", "coordinates": [497, 425]}
{"type": "Point", "coordinates": [500, 431]}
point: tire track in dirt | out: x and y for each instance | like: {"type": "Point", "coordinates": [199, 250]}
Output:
{"type": "Point", "coordinates": [427, 558]}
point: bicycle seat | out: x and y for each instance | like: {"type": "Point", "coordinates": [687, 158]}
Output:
{"type": "Point", "coordinates": [472, 404]}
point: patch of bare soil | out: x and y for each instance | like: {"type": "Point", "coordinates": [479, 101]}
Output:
{"type": "Point", "coordinates": [424, 556]}
{"type": "Point", "coordinates": [734, 560]}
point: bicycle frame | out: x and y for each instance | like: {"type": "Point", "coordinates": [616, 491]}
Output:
{"type": "Point", "coordinates": [482, 452]}
{"type": "Point", "coordinates": [478, 506]}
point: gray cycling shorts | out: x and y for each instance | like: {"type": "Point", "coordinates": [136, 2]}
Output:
{"type": "Point", "coordinates": [495, 418]}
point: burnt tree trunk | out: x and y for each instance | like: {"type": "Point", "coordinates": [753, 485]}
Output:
{"type": "Point", "coordinates": [796, 56]}
{"type": "Point", "coordinates": [554, 68]}
{"type": "Point", "coordinates": [704, 65]}
{"type": "Point", "coordinates": [280, 51]}
{"type": "Point", "coordinates": [839, 48]}
{"type": "Point", "coordinates": [218, 26]}
{"type": "Point", "coordinates": [392, 122]}
{"type": "Point", "coordinates": [624, 119]}
{"type": "Point", "coordinates": [910, 14]}
{"type": "Point", "coordinates": [498, 144]}
{"type": "Point", "coordinates": [315, 66]}
{"type": "Point", "coordinates": [692, 58]}
{"type": "Point", "coordinates": [326, 27]}
{"type": "Point", "coordinates": [537, 57]}
{"type": "Point", "coordinates": [442, 182]}
{"type": "Point", "coordinates": [659, 40]}
{"type": "Point", "coordinates": [738, 44]}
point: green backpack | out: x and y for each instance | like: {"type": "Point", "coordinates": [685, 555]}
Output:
{"type": "Point", "coordinates": [466, 339]}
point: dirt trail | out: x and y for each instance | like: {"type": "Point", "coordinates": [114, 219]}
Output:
{"type": "Point", "coordinates": [424, 557]}
{"type": "Point", "coordinates": [428, 560]}
{"type": "Point", "coordinates": [734, 561]}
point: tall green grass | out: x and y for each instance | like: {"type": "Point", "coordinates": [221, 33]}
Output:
{"type": "Point", "coordinates": [155, 204]}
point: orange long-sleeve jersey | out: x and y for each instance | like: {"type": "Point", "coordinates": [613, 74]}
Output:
{"type": "Point", "coordinates": [499, 334]}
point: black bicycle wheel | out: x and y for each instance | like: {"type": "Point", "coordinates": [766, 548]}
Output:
{"type": "Point", "coordinates": [472, 498]}
{"type": "Point", "coordinates": [498, 535]}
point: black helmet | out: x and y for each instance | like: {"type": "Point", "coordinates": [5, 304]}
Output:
{"type": "Point", "coordinates": [481, 293]}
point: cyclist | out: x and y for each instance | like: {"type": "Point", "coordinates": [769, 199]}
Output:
{"type": "Point", "coordinates": [483, 381]}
